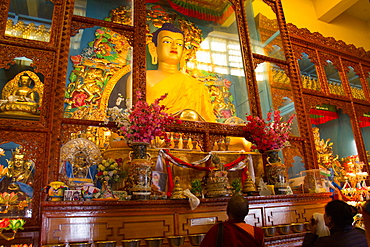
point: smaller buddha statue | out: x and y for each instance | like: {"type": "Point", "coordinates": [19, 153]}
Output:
{"type": "Point", "coordinates": [19, 175]}
{"type": "Point", "coordinates": [218, 182]}
{"type": "Point", "coordinates": [22, 95]}
{"type": "Point", "coordinates": [80, 165]}
{"type": "Point", "coordinates": [178, 192]}
{"type": "Point", "coordinates": [106, 191]}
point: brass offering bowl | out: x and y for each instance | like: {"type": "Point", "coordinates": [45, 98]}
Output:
{"type": "Point", "coordinates": [154, 242]}
{"type": "Point", "coordinates": [283, 229]}
{"type": "Point", "coordinates": [105, 244]}
{"type": "Point", "coordinates": [269, 231]}
{"type": "Point", "coordinates": [196, 239]}
{"type": "Point", "coordinates": [131, 242]}
{"type": "Point", "coordinates": [176, 241]}
{"type": "Point", "coordinates": [297, 227]}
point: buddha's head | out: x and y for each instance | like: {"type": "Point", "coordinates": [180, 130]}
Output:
{"type": "Point", "coordinates": [25, 80]}
{"type": "Point", "coordinates": [169, 44]}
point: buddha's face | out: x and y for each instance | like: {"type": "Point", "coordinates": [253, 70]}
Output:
{"type": "Point", "coordinates": [25, 81]}
{"type": "Point", "coordinates": [170, 46]}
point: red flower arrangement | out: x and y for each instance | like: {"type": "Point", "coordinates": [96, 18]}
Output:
{"type": "Point", "coordinates": [269, 134]}
{"type": "Point", "coordinates": [143, 122]}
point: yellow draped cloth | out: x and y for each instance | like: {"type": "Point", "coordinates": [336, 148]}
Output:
{"type": "Point", "coordinates": [184, 92]}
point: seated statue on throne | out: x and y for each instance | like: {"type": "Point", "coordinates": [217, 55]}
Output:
{"type": "Point", "coordinates": [22, 95]}
{"type": "Point", "coordinates": [19, 177]}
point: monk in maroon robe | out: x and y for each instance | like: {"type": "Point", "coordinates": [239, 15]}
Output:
{"type": "Point", "coordinates": [234, 232]}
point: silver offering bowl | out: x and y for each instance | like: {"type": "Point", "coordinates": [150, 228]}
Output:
{"type": "Point", "coordinates": [269, 231]}
{"type": "Point", "coordinates": [176, 241]}
{"type": "Point", "coordinates": [283, 229]}
{"type": "Point", "coordinates": [297, 227]}
{"type": "Point", "coordinates": [154, 242]}
{"type": "Point", "coordinates": [131, 243]}
{"type": "Point", "coordinates": [196, 239]}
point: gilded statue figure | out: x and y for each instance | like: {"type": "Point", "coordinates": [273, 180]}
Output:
{"type": "Point", "coordinates": [22, 95]}
{"type": "Point", "coordinates": [19, 177]}
{"type": "Point", "coordinates": [184, 91]}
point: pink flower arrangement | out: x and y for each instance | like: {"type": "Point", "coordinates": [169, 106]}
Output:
{"type": "Point", "coordinates": [269, 134]}
{"type": "Point", "coordinates": [143, 122]}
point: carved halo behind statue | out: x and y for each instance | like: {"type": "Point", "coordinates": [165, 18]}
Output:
{"type": "Point", "coordinates": [79, 158]}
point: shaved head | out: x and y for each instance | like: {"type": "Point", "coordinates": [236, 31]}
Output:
{"type": "Point", "coordinates": [237, 207]}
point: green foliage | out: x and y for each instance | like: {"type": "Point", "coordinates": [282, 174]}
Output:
{"type": "Point", "coordinates": [237, 185]}
{"type": "Point", "coordinates": [196, 186]}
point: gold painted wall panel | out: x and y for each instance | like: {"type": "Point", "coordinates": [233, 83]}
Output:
{"type": "Point", "coordinates": [287, 215]}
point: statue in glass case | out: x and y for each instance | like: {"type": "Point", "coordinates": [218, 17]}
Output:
{"type": "Point", "coordinates": [18, 178]}
{"type": "Point", "coordinates": [19, 170]}
{"type": "Point", "coordinates": [22, 95]}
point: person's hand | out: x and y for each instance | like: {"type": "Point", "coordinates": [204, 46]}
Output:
{"type": "Point", "coordinates": [313, 225]}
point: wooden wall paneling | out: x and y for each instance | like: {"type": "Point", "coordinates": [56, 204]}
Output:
{"type": "Point", "coordinates": [291, 214]}
{"type": "Point", "coordinates": [280, 215]}
{"type": "Point", "coordinates": [307, 211]}
{"type": "Point", "coordinates": [88, 221]}
{"type": "Point", "coordinates": [107, 227]}
{"type": "Point", "coordinates": [200, 222]}
{"type": "Point", "coordinates": [21, 238]}
{"type": "Point", "coordinates": [255, 217]}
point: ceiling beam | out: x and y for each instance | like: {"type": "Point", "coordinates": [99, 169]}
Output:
{"type": "Point", "coordinates": [328, 10]}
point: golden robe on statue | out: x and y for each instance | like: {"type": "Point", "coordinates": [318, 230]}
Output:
{"type": "Point", "coordinates": [184, 92]}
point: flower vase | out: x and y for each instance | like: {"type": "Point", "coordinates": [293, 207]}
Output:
{"type": "Point", "coordinates": [275, 172]}
{"type": "Point", "coordinates": [140, 171]}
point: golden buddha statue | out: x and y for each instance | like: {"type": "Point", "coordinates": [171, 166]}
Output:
{"type": "Point", "coordinates": [184, 91]}
{"type": "Point", "coordinates": [22, 95]}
